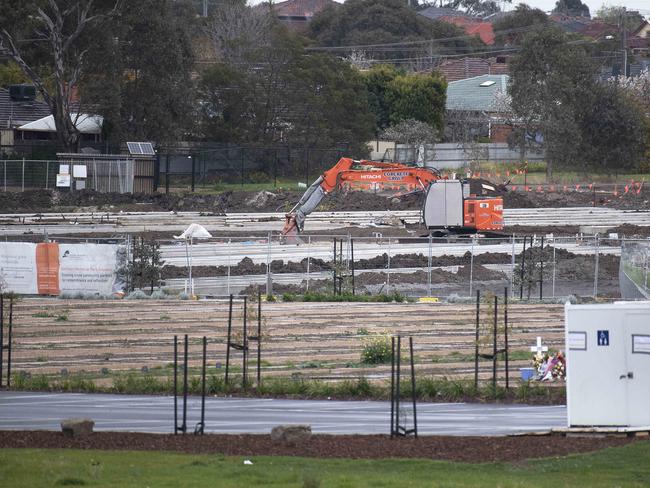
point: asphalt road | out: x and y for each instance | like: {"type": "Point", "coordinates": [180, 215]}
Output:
{"type": "Point", "coordinates": [44, 411]}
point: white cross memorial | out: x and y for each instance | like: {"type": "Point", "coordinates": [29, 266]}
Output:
{"type": "Point", "coordinates": [539, 349]}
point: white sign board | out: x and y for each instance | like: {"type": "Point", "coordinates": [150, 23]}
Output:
{"type": "Point", "coordinates": [52, 268]}
{"type": "Point", "coordinates": [63, 180]}
{"type": "Point", "coordinates": [88, 268]}
{"type": "Point", "coordinates": [79, 171]}
{"type": "Point", "coordinates": [18, 267]}
{"type": "Point", "coordinates": [64, 169]}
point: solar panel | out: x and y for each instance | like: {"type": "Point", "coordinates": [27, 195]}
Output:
{"type": "Point", "coordinates": [141, 148]}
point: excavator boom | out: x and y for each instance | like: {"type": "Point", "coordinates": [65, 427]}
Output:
{"type": "Point", "coordinates": [363, 175]}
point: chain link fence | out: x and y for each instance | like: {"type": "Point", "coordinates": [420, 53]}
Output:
{"type": "Point", "coordinates": [19, 175]}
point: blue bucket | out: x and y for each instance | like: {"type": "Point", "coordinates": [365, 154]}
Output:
{"type": "Point", "coordinates": [527, 373]}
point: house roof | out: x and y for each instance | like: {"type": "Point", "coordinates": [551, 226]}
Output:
{"type": "Point", "coordinates": [16, 113]}
{"type": "Point", "coordinates": [434, 13]}
{"type": "Point", "coordinates": [596, 29]}
{"type": "Point", "coordinates": [460, 69]}
{"type": "Point", "coordinates": [469, 95]}
{"type": "Point", "coordinates": [301, 8]}
{"type": "Point", "coordinates": [85, 123]}
{"type": "Point", "coordinates": [472, 27]}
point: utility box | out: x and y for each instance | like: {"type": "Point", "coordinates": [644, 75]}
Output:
{"type": "Point", "coordinates": [608, 364]}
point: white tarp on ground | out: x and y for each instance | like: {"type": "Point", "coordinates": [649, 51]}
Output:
{"type": "Point", "coordinates": [52, 268]}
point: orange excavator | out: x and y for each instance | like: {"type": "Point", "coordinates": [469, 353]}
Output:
{"type": "Point", "coordinates": [449, 206]}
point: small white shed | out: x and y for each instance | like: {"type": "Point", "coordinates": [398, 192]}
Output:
{"type": "Point", "coordinates": [608, 364]}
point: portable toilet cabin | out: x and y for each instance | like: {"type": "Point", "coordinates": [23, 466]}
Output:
{"type": "Point", "coordinates": [608, 364]}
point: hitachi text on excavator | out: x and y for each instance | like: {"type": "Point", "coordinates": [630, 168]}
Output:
{"type": "Point", "coordinates": [449, 207]}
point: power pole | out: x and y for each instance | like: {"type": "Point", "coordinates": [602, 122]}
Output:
{"type": "Point", "coordinates": [205, 8]}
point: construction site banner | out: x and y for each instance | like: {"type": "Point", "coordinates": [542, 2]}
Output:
{"type": "Point", "coordinates": [53, 268]}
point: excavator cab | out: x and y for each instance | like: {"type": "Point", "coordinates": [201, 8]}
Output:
{"type": "Point", "coordinates": [449, 205]}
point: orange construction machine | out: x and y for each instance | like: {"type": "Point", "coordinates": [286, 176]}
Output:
{"type": "Point", "coordinates": [448, 206]}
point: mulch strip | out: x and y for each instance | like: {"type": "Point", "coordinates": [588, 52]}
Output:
{"type": "Point", "coordinates": [465, 449]}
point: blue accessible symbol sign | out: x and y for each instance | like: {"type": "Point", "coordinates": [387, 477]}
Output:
{"type": "Point", "coordinates": [603, 338]}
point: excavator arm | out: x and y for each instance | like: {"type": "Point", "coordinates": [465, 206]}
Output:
{"type": "Point", "coordinates": [365, 175]}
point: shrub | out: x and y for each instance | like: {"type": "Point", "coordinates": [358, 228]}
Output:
{"type": "Point", "coordinates": [377, 350]}
{"type": "Point", "coordinates": [137, 295]}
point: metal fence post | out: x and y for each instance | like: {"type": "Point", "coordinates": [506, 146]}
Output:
{"type": "Point", "coordinates": [596, 245]}
{"type": "Point", "coordinates": [388, 270]}
{"type": "Point", "coordinates": [5, 175]}
{"type": "Point", "coordinates": [23, 184]}
{"type": "Point", "coordinates": [47, 174]}
{"type": "Point", "coordinates": [308, 259]}
{"type": "Point", "coordinates": [429, 265]}
{"type": "Point", "coordinates": [471, 268]}
{"type": "Point", "coordinates": [553, 285]}
{"type": "Point", "coordinates": [512, 267]}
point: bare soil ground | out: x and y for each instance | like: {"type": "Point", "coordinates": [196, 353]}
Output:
{"type": "Point", "coordinates": [283, 200]}
{"type": "Point", "coordinates": [449, 448]}
{"type": "Point", "coordinates": [305, 340]}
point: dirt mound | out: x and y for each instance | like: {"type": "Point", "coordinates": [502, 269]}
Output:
{"type": "Point", "coordinates": [452, 448]}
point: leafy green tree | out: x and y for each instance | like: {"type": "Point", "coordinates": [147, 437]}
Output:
{"type": "Point", "coordinates": [612, 14]}
{"type": "Point", "coordinates": [11, 74]}
{"type": "Point", "coordinates": [371, 22]}
{"type": "Point", "coordinates": [555, 93]}
{"type": "Point", "coordinates": [377, 81]}
{"type": "Point", "coordinates": [419, 97]}
{"type": "Point", "coordinates": [307, 100]}
{"type": "Point", "coordinates": [572, 8]}
{"type": "Point", "coordinates": [62, 31]}
{"type": "Point", "coordinates": [514, 26]}
{"type": "Point", "coordinates": [141, 72]}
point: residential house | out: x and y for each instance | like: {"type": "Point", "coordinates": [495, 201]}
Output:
{"type": "Point", "coordinates": [459, 69]}
{"type": "Point", "coordinates": [18, 108]}
{"type": "Point", "coordinates": [296, 14]}
{"type": "Point", "coordinates": [472, 106]}
{"type": "Point", "coordinates": [473, 26]}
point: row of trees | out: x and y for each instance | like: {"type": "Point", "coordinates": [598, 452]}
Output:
{"type": "Point", "coordinates": [140, 64]}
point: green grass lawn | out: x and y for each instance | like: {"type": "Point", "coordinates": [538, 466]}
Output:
{"type": "Point", "coordinates": [626, 466]}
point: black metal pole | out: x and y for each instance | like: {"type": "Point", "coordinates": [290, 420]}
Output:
{"type": "Point", "coordinates": [494, 348]}
{"type": "Point", "coordinates": [245, 346]}
{"type": "Point", "coordinates": [175, 384]}
{"type": "Point", "coordinates": [505, 333]}
{"type": "Point", "coordinates": [205, 347]}
{"type": "Point", "coordinates": [242, 166]}
{"type": "Point", "coordinates": [341, 266]}
{"type": "Point", "coordinates": [397, 378]}
{"type": "Point", "coordinates": [2, 336]}
{"type": "Point", "coordinates": [352, 258]}
{"type": "Point", "coordinates": [413, 396]}
{"type": "Point", "coordinates": [478, 313]}
{"type": "Point", "coordinates": [11, 323]}
{"type": "Point", "coordinates": [193, 171]}
{"type": "Point", "coordinates": [392, 387]}
{"type": "Point", "coordinates": [167, 174]}
{"type": "Point", "coordinates": [523, 265]}
{"type": "Point", "coordinates": [541, 270]}
{"type": "Point", "coordinates": [184, 427]}
{"type": "Point", "coordinates": [228, 339]}
{"type": "Point", "coordinates": [259, 337]}
{"type": "Point", "coordinates": [334, 266]}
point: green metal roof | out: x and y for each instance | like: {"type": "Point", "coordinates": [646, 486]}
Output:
{"type": "Point", "coordinates": [468, 94]}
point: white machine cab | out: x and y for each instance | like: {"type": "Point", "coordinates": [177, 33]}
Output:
{"type": "Point", "coordinates": [608, 364]}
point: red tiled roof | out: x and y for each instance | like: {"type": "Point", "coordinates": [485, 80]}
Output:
{"type": "Point", "coordinates": [460, 69]}
{"type": "Point", "coordinates": [473, 27]}
{"type": "Point", "coordinates": [301, 8]}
